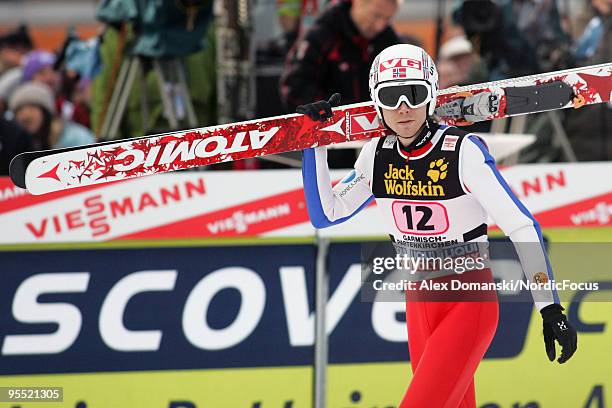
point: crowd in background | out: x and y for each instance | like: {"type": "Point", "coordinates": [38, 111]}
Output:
{"type": "Point", "coordinates": [42, 106]}
{"type": "Point", "coordinates": [47, 99]}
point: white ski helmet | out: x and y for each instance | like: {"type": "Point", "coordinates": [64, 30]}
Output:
{"type": "Point", "coordinates": [403, 73]}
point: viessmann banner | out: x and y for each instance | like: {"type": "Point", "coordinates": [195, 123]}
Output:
{"type": "Point", "coordinates": [234, 326]}
{"type": "Point", "coordinates": [260, 203]}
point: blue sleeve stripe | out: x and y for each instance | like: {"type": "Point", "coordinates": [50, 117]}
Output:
{"type": "Point", "coordinates": [491, 163]}
{"type": "Point", "coordinates": [311, 192]}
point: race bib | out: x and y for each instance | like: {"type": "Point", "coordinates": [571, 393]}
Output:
{"type": "Point", "coordinates": [420, 218]}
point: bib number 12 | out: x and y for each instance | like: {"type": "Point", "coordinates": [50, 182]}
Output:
{"type": "Point", "coordinates": [422, 225]}
{"type": "Point", "coordinates": [420, 218]}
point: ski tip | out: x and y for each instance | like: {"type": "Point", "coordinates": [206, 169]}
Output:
{"type": "Point", "coordinates": [17, 169]}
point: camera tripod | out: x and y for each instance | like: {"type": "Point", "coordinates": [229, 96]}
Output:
{"type": "Point", "coordinates": [172, 83]}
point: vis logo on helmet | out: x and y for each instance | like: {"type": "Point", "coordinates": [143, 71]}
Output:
{"type": "Point", "coordinates": [399, 62]}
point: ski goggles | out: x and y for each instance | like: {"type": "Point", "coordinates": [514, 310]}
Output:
{"type": "Point", "coordinates": [390, 95]}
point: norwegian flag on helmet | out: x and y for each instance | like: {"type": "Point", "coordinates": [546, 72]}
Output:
{"type": "Point", "coordinates": [399, 73]}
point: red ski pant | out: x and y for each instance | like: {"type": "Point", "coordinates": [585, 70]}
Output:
{"type": "Point", "coordinates": [447, 340]}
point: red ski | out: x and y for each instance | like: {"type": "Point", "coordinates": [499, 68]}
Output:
{"type": "Point", "coordinates": [53, 170]}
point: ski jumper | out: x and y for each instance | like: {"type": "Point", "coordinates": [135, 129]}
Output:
{"type": "Point", "coordinates": [439, 190]}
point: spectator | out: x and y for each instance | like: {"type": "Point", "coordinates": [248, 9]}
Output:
{"type": "Point", "coordinates": [459, 65]}
{"type": "Point", "coordinates": [335, 55]}
{"type": "Point", "coordinates": [80, 64]}
{"type": "Point", "coordinates": [289, 18]}
{"type": "Point", "coordinates": [590, 128]}
{"type": "Point", "coordinates": [77, 108]}
{"type": "Point", "coordinates": [540, 23]}
{"type": "Point", "coordinates": [38, 66]}
{"type": "Point", "coordinates": [457, 62]}
{"type": "Point", "coordinates": [13, 140]}
{"type": "Point", "coordinates": [8, 82]}
{"type": "Point", "coordinates": [14, 46]}
{"type": "Point", "coordinates": [492, 28]}
{"type": "Point", "coordinates": [595, 44]}
{"type": "Point", "coordinates": [33, 106]}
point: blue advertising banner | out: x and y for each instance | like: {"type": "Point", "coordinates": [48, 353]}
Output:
{"type": "Point", "coordinates": [158, 308]}
{"type": "Point", "coordinates": [206, 307]}
{"type": "Point", "coordinates": [233, 325]}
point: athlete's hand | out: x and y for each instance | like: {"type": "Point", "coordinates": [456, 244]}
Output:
{"type": "Point", "coordinates": [556, 327]}
{"type": "Point", "coordinates": [320, 110]}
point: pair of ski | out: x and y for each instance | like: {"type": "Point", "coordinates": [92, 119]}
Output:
{"type": "Point", "coordinates": [53, 170]}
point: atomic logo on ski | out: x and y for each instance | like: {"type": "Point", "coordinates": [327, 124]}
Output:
{"type": "Point", "coordinates": [336, 127]}
{"type": "Point", "coordinates": [601, 84]}
{"type": "Point", "coordinates": [52, 174]}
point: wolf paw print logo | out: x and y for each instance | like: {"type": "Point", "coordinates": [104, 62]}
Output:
{"type": "Point", "coordinates": [437, 170]}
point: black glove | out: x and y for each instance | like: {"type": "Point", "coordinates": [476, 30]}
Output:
{"type": "Point", "coordinates": [320, 110]}
{"type": "Point", "coordinates": [556, 327]}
